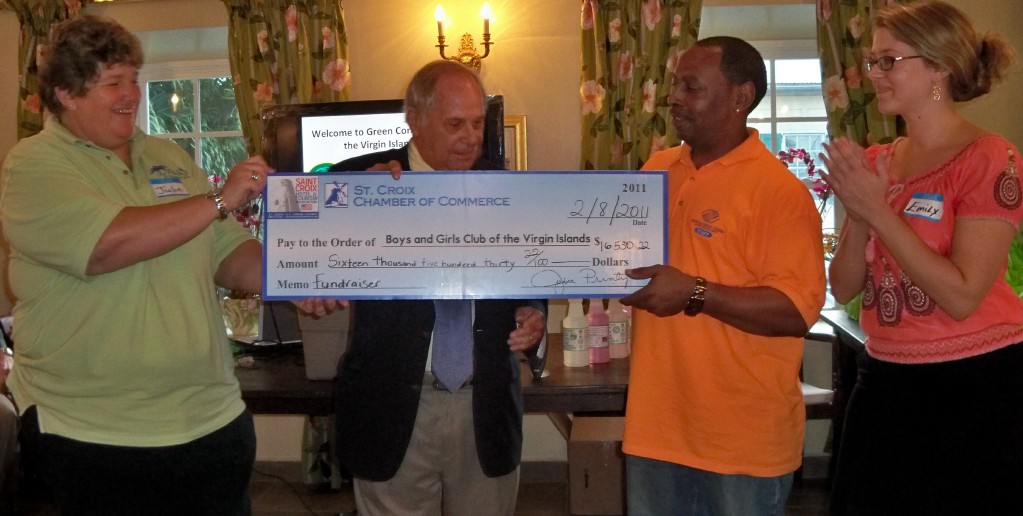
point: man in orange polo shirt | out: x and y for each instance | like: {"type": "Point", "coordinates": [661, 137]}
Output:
{"type": "Point", "coordinates": [715, 419]}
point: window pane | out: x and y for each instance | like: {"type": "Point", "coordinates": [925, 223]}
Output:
{"type": "Point", "coordinates": [220, 154]}
{"type": "Point", "coordinates": [799, 88]}
{"type": "Point", "coordinates": [186, 143]}
{"type": "Point", "coordinates": [765, 134]}
{"type": "Point", "coordinates": [763, 110]}
{"type": "Point", "coordinates": [809, 136]}
{"type": "Point", "coordinates": [166, 115]}
{"type": "Point", "coordinates": [803, 135]}
{"type": "Point", "coordinates": [218, 109]}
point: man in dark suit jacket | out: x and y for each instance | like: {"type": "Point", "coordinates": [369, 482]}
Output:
{"type": "Point", "coordinates": [412, 445]}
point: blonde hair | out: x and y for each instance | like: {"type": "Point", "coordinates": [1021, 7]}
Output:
{"type": "Point", "coordinates": [944, 36]}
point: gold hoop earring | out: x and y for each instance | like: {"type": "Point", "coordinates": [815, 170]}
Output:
{"type": "Point", "coordinates": [936, 92]}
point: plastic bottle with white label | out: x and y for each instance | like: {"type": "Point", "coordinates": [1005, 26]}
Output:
{"type": "Point", "coordinates": [575, 335]}
{"type": "Point", "coordinates": [598, 320]}
{"type": "Point", "coordinates": [619, 335]}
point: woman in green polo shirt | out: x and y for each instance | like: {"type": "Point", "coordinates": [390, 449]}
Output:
{"type": "Point", "coordinates": [122, 371]}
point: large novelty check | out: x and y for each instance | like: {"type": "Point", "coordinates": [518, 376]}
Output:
{"type": "Point", "coordinates": [468, 235]}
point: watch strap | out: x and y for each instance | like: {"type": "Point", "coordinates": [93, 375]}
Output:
{"type": "Point", "coordinates": [695, 304]}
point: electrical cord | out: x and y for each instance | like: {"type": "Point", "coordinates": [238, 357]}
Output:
{"type": "Point", "coordinates": [294, 489]}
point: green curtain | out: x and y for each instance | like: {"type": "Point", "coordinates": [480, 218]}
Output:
{"type": "Point", "coordinates": [844, 36]}
{"type": "Point", "coordinates": [629, 48]}
{"type": "Point", "coordinates": [285, 52]}
{"type": "Point", "coordinates": [35, 17]}
{"type": "Point", "coordinates": [290, 52]}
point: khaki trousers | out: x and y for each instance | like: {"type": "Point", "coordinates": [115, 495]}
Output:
{"type": "Point", "coordinates": [441, 473]}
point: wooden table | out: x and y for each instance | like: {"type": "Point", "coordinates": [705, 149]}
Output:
{"type": "Point", "coordinates": [848, 329]}
{"type": "Point", "coordinates": [277, 384]}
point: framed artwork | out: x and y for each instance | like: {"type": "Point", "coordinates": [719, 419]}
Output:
{"type": "Point", "coordinates": [515, 142]}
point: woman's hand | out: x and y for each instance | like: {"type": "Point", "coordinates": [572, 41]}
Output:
{"type": "Point", "coordinates": [245, 182]}
{"type": "Point", "coordinates": [861, 189]}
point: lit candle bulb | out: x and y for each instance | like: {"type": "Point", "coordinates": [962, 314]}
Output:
{"type": "Point", "coordinates": [439, 16]}
{"type": "Point", "coordinates": [487, 14]}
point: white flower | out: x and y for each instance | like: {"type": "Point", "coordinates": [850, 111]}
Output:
{"type": "Point", "coordinates": [651, 13]}
{"type": "Point", "coordinates": [291, 20]}
{"type": "Point", "coordinates": [592, 96]}
{"type": "Point", "coordinates": [328, 37]}
{"type": "Point", "coordinates": [856, 26]}
{"type": "Point", "coordinates": [649, 95]}
{"type": "Point", "coordinates": [614, 30]}
{"type": "Point", "coordinates": [835, 95]}
{"type": "Point", "coordinates": [824, 10]}
{"type": "Point", "coordinates": [625, 67]}
{"type": "Point", "coordinates": [263, 41]}
{"type": "Point", "coordinates": [588, 14]}
{"type": "Point", "coordinates": [337, 75]}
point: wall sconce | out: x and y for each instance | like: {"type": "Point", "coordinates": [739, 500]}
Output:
{"type": "Point", "coordinates": [467, 49]}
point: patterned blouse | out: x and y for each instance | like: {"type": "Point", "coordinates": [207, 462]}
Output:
{"type": "Point", "coordinates": [902, 322]}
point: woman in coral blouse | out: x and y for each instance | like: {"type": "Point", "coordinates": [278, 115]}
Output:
{"type": "Point", "coordinates": [935, 422]}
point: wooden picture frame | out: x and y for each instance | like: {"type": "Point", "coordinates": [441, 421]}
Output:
{"type": "Point", "coordinates": [515, 142]}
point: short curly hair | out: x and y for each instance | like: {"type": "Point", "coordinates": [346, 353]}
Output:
{"type": "Point", "coordinates": [79, 48]}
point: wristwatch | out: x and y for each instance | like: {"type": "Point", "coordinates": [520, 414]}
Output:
{"type": "Point", "coordinates": [219, 202]}
{"type": "Point", "coordinates": [695, 304]}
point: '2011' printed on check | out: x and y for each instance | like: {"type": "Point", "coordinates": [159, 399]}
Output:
{"type": "Point", "coordinates": [470, 235]}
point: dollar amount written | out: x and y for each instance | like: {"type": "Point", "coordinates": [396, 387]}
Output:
{"type": "Point", "coordinates": [620, 245]}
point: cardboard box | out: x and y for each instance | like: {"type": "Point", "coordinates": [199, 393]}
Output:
{"type": "Point", "coordinates": [596, 466]}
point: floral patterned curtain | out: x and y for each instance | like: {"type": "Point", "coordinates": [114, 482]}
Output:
{"type": "Point", "coordinates": [844, 36]}
{"type": "Point", "coordinates": [290, 52]}
{"type": "Point", "coordinates": [285, 52]}
{"type": "Point", "coordinates": [35, 17]}
{"type": "Point", "coordinates": [629, 49]}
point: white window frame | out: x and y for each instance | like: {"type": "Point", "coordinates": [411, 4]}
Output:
{"type": "Point", "coordinates": [776, 50]}
{"type": "Point", "coordinates": [792, 49]}
{"type": "Point", "coordinates": [183, 70]}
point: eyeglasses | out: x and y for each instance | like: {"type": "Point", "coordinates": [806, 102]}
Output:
{"type": "Point", "coordinates": [885, 63]}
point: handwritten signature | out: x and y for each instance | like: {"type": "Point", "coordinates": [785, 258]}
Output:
{"type": "Point", "coordinates": [549, 278]}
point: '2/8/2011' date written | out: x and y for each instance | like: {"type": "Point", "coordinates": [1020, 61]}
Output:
{"type": "Point", "coordinates": [604, 209]}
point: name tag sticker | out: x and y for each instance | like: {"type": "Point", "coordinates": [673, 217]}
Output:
{"type": "Point", "coordinates": [168, 187]}
{"type": "Point", "coordinates": [926, 206]}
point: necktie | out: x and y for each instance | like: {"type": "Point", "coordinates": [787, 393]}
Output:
{"type": "Point", "coordinates": [452, 342]}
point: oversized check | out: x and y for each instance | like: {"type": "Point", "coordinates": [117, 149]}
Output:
{"type": "Point", "coordinates": [470, 235]}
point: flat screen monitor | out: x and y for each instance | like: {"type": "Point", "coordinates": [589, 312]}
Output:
{"type": "Point", "coordinates": [312, 137]}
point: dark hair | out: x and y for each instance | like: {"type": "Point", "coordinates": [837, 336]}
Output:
{"type": "Point", "coordinates": [740, 63]}
{"type": "Point", "coordinates": [422, 90]}
{"type": "Point", "coordinates": [77, 51]}
{"type": "Point", "coordinates": [946, 37]}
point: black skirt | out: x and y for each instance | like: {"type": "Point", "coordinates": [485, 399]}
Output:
{"type": "Point", "coordinates": [934, 439]}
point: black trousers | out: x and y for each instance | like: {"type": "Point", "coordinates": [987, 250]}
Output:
{"type": "Point", "coordinates": [207, 476]}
